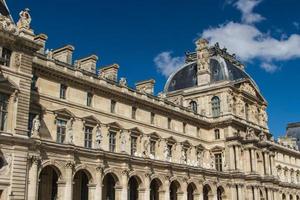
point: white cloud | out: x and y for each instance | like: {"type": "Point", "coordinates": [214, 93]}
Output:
{"type": "Point", "coordinates": [249, 43]}
{"type": "Point", "coordinates": [269, 67]}
{"type": "Point", "coordinates": [166, 64]}
{"type": "Point", "coordinates": [246, 7]}
{"type": "Point", "coordinates": [296, 25]}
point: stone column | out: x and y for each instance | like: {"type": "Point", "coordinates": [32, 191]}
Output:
{"type": "Point", "coordinates": [231, 158]}
{"type": "Point", "coordinates": [33, 178]}
{"type": "Point", "coordinates": [69, 180]}
{"type": "Point", "coordinates": [167, 188]}
{"type": "Point", "coordinates": [241, 192]}
{"type": "Point", "coordinates": [60, 190]}
{"type": "Point", "coordinates": [145, 195]}
{"type": "Point", "coordinates": [238, 157]}
{"type": "Point", "coordinates": [119, 193]}
{"type": "Point", "coordinates": [267, 164]}
{"type": "Point", "coordinates": [98, 182]}
{"type": "Point", "coordinates": [124, 185]}
{"type": "Point", "coordinates": [183, 194]}
{"type": "Point", "coordinates": [92, 189]}
{"type": "Point", "coordinates": [256, 193]}
{"type": "Point", "coordinates": [254, 162]}
{"type": "Point", "coordinates": [199, 196]}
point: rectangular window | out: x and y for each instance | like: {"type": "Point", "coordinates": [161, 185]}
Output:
{"type": "Point", "coordinates": [33, 82]}
{"type": "Point", "coordinates": [133, 145]}
{"type": "Point", "coordinates": [61, 130]}
{"type": "Point", "coordinates": [185, 154]}
{"type": "Point", "coordinates": [217, 134]}
{"type": "Point", "coordinates": [112, 141]}
{"type": "Point", "coordinates": [113, 106]}
{"type": "Point", "coordinates": [89, 99]}
{"type": "Point", "coordinates": [88, 137]}
{"type": "Point", "coordinates": [152, 147]}
{"type": "Point", "coordinates": [169, 151]}
{"type": "Point", "coordinates": [3, 111]}
{"type": "Point", "coordinates": [5, 55]}
{"type": "Point", "coordinates": [184, 127]}
{"type": "Point", "coordinates": [218, 162]}
{"type": "Point", "coordinates": [63, 91]}
{"type": "Point", "coordinates": [152, 118]}
{"type": "Point", "coordinates": [169, 123]}
{"type": "Point", "coordinates": [133, 112]}
{"type": "Point", "coordinates": [30, 121]}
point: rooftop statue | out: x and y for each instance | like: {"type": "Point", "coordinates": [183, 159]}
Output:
{"type": "Point", "coordinates": [25, 19]}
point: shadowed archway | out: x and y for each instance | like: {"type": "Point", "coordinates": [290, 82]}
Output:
{"type": "Point", "coordinates": [108, 188]}
{"type": "Point", "coordinates": [155, 187]}
{"type": "Point", "coordinates": [80, 187]}
{"type": "Point", "coordinates": [48, 188]}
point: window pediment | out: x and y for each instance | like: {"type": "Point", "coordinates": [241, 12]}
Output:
{"type": "Point", "coordinates": [64, 113]}
{"type": "Point", "coordinates": [217, 149]}
{"type": "Point", "coordinates": [91, 119]}
{"type": "Point", "coordinates": [115, 125]}
{"type": "Point", "coordinates": [7, 85]}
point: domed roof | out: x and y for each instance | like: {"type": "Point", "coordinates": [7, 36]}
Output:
{"type": "Point", "coordinates": [221, 70]}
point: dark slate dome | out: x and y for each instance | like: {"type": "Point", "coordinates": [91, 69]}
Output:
{"type": "Point", "coordinates": [221, 70]}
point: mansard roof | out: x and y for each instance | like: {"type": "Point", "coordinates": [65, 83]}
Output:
{"type": "Point", "coordinates": [222, 67]}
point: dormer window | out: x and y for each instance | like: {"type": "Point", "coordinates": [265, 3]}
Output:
{"type": "Point", "coordinates": [5, 55]}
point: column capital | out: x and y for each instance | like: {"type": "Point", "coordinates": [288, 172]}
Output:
{"type": "Point", "coordinates": [34, 159]}
{"type": "Point", "coordinates": [70, 164]}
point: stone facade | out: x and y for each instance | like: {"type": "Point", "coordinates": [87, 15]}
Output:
{"type": "Point", "coordinates": [70, 133]}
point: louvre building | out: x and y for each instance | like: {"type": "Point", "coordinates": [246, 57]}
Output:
{"type": "Point", "coordinates": [70, 130]}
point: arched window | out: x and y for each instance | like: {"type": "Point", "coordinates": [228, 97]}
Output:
{"type": "Point", "coordinates": [215, 106]}
{"type": "Point", "coordinates": [194, 106]}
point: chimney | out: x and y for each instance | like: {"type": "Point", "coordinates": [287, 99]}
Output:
{"type": "Point", "coordinates": [203, 59]}
{"type": "Point", "coordinates": [88, 63]}
{"type": "Point", "coordinates": [145, 86]}
{"type": "Point", "coordinates": [110, 72]}
{"type": "Point", "coordinates": [41, 39]}
{"type": "Point", "coordinates": [64, 54]}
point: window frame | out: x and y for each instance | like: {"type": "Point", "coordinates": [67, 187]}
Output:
{"type": "Point", "coordinates": [4, 103]}
{"type": "Point", "coordinates": [216, 106]}
{"type": "Point", "coordinates": [5, 61]}
{"type": "Point", "coordinates": [113, 105]}
{"type": "Point", "coordinates": [89, 99]}
{"type": "Point", "coordinates": [61, 130]}
{"type": "Point", "coordinates": [112, 140]}
{"type": "Point", "coordinates": [88, 136]}
{"type": "Point", "coordinates": [133, 112]}
{"type": "Point", "coordinates": [194, 106]}
{"type": "Point", "coordinates": [217, 134]}
{"type": "Point", "coordinates": [152, 147]}
{"type": "Point", "coordinates": [63, 91]}
{"type": "Point", "coordinates": [152, 118]}
{"type": "Point", "coordinates": [218, 162]}
{"type": "Point", "coordinates": [133, 144]}
{"type": "Point", "coordinates": [169, 123]}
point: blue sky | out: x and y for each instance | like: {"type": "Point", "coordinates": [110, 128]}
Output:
{"type": "Point", "coordinates": [265, 34]}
